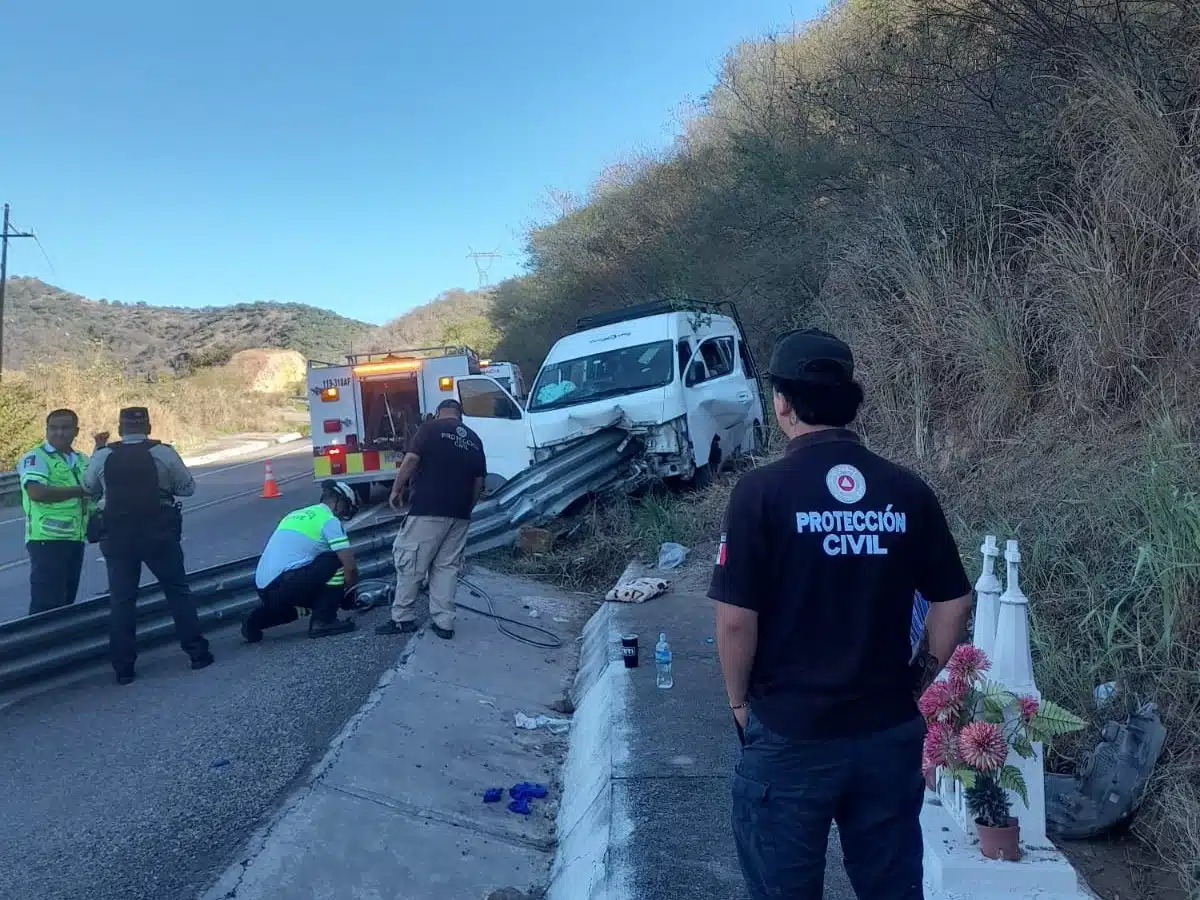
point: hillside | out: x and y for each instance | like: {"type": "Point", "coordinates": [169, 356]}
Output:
{"type": "Point", "coordinates": [44, 323]}
{"type": "Point", "coordinates": [995, 203]}
{"type": "Point", "coordinates": [453, 317]}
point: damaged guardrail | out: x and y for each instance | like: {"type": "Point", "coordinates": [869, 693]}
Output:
{"type": "Point", "coordinates": [61, 640]}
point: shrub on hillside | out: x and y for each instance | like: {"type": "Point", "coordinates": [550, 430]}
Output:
{"type": "Point", "coordinates": [184, 411]}
{"type": "Point", "coordinates": [22, 420]}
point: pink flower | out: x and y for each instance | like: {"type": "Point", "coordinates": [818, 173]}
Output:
{"type": "Point", "coordinates": [1029, 708]}
{"type": "Point", "coordinates": [982, 746]}
{"type": "Point", "coordinates": [940, 701]}
{"type": "Point", "coordinates": [967, 663]}
{"type": "Point", "coordinates": [941, 744]}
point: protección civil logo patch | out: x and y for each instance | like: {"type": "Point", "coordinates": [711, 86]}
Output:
{"type": "Point", "coordinates": [846, 484]}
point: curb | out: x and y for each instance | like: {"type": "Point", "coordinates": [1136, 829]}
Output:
{"type": "Point", "coordinates": [585, 816]}
{"type": "Point", "coordinates": [241, 449]}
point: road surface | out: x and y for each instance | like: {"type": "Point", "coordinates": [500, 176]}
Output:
{"type": "Point", "coordinates": [226, 519]}
{"type": "Point", "coordinates": [144, 792]}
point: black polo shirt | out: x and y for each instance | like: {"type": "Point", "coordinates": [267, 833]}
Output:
{"type": "Point", "coordinates": [452, 457]}
{"type": "Point", "coordinates": [828, 545]}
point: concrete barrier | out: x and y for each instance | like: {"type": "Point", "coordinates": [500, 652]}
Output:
{"type": "Point", "coordinates": [580, 870]}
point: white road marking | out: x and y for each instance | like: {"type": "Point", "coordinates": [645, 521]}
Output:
{"type": "Point", "coordinates": [241, 465]}
{"type": "Point", "coordinates": [187, 509]}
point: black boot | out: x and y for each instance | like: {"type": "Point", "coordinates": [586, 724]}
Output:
{"type": "Point", "coordinates": [251, 634]}
{"type": "Point", "coordinates": [337, 626]}
{"type": "Point", "coordinates": [390, 627]}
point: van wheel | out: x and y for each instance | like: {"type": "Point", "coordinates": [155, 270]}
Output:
{"type": "Point", "coordinates": [707, 473]}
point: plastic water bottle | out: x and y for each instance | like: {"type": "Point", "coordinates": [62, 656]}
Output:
{"type": "Point", "coordinates": [662, 663]}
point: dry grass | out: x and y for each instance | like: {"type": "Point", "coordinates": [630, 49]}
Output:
{"type": "Point", "coordinates": [593, 546]}
{"type": "Point", "coordinates": [184, 411]}
{"type": "Point", "coordinates": [1044, 376]}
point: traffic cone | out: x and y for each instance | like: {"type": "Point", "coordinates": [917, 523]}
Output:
{"type": "Point", "coordinates": [270, 488]}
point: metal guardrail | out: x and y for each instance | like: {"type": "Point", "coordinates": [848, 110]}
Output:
{"type": "Point", "coordinates": [10, 488]}
{"type": "Point", "coordinates": [52, 643]}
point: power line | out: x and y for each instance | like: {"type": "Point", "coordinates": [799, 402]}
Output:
{"type": "Point", "coordinates": [5, 233]}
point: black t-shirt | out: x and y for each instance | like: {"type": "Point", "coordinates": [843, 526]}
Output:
{"type": "Point", "coordinates": [829, 545]}
{"type": "Point", "coordinates": [451, 459]}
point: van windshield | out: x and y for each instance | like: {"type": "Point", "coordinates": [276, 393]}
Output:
{"type": "Point", "coordinates": [614, 372]}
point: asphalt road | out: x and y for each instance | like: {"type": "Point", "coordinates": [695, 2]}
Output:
{"type": "Point", "coordinates": [146, 792]}
{"type": "Point", "coordinates": [226, 519]}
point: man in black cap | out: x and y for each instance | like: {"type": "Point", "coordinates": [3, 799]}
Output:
{"type": "Point", "coordinates": [822, 554]}
{"type": "Point", "coordinates": [138, 480]}
{"type": "Point", "coordinates": [446, 466]}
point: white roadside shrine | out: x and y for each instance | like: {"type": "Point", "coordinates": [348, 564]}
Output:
{"type": "Point", "coordinates": [954, 867]}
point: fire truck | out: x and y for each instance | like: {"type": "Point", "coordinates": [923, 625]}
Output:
{"type": "Point", "coordinates": [365, 412]}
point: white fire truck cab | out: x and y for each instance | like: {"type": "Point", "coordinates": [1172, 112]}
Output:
{"type": "Point", "coordinates": [364, 413]}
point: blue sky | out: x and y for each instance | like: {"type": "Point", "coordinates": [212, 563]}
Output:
{"type": "Point", "coordinates": [346, 155]}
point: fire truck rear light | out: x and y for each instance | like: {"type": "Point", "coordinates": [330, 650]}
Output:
{"type": "Point", "coordinates": [332, 426]}
{"type": "Point", "coordinates": [329, 394]}
{"type": "Point", "coordinates": [446, 383]}
{"type": "Point", "coordinates": [335, 451]}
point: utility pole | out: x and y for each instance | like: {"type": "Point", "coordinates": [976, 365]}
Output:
{"type": "Point", "coordinates": [5, 234]}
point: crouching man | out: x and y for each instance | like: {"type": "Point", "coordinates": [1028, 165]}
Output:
{"type": "Point", "coordinates": [307, 564]}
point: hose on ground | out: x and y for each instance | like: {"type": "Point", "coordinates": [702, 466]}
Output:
{"type": "Point", "coordinates": [502, 622]}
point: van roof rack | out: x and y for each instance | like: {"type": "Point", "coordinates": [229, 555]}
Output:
{"type": "Point", "coordinates": [653, 308]}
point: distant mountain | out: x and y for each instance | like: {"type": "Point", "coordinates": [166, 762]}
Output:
{"type": "Point", "coordinates": [43, 323]}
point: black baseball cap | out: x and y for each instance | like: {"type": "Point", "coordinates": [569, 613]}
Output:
{"type": "Point", "coordinates": [134, 417]}
{"type": "Point", "coordinates": [813, 356]}
{"type": "Point", "coordinates": [450, 404]}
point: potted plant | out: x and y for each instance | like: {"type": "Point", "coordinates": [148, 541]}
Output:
{"type": "Point", "coordinates": [972, 724]}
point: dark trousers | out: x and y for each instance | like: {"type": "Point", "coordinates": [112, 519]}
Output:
{"type": "Point", "coordinates": [54, 570]}
{"type": "Point", "coordinates": [164, 559]}
{"type": "Point", "coordinates": [787, 793]}
{"type": "Point", "coordinates": [306, 587]}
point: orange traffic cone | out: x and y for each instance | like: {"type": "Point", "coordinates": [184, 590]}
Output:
{"type": "Point", "coordinates": [270, 488]}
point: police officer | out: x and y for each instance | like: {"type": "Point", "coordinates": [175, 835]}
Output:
{"type": "Point", "coordinates": [138, 480]}
{"type": "Point", "coordinates": [307, 564]}
{"type": "Point", "coordinates": [822, 555]}
{"type": "Point", "coordinates": [56, 512]}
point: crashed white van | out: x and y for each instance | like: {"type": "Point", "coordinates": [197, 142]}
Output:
{"type": "Point", "coordinates": [682, 381]}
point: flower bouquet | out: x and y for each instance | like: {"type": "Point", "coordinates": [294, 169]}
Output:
{"type": "Point", "coordinates": [972, 723]}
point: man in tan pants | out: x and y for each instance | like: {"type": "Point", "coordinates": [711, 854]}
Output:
{"type": "Point", "coordinates": [444, 469]}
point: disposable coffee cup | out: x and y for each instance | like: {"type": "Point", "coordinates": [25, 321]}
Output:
{"type": "Point", "coordinates": [629, 650]}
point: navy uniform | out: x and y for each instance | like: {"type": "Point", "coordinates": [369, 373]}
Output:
{"type": "Point", "coordinates": [822, 555]}
{"type": "Point", "coordinates": [138, 480]}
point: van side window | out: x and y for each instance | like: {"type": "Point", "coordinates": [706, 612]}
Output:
{"type": "Point", "coordinates": [685, 356]}
{"type": "Point", "coordinates": [717, 354]}
{"type": "Point", "coordinates": [484, 400]}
